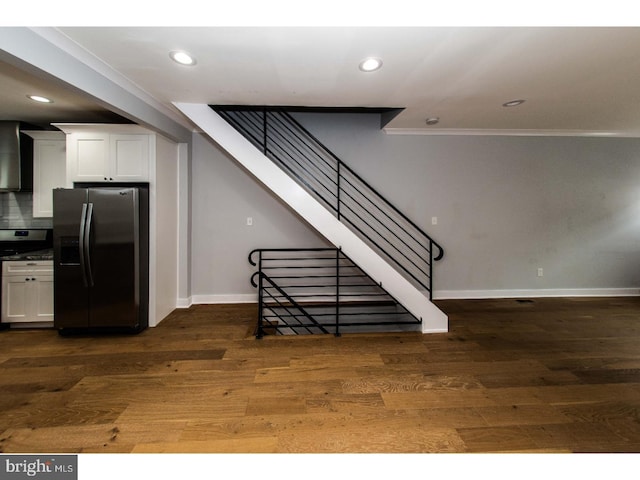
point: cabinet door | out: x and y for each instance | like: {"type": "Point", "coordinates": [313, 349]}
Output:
{"type": "Point", "coordinates": [87, 157]}
{"type": "Point", "coordinates": [129, 158]}
{"type": "Point", "coordinates": [49, 172]}
{"type": "Point", "coordinates": [27, 298]}
{"type": "Point", "coordinates": [15, 294]}
{"type": "Point", "coordinates": [41, 299]}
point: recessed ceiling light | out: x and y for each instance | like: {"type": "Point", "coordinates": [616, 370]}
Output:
{"type": "Point", "coordinates": [183, 58]}
{"type": "Point", "coordinates": [432, 120]}
{"type": "Point", "coordinates": [370, 64]}
{"type": "Point", "coordinates": [39, 98]}
{"type": "Point", "coordinates": [513, 103]}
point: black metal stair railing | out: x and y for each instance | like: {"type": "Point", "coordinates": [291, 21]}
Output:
{"type": "Point", "coordinates": [319, 290]}
{"type": "Point", "coordinates": [328, 179]}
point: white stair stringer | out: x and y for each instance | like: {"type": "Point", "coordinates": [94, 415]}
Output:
{"type": "Point", "coordinates": [272, 176]}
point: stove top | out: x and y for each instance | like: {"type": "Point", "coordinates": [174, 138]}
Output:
{"type": "Point", "coordinates": [26, 244]}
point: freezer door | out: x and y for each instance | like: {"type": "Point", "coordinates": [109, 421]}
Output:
{"type": "Point", "coordinates": [113, 257]}
{"type": "Point", "coordinates": [71, 300]}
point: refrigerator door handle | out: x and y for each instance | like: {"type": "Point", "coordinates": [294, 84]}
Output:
{"type": "Point", "coordinates": [82, 244]}
{"type": "Point", "coordinates": [87, 244]}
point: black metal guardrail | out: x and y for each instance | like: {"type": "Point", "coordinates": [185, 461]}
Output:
{"type": "Point", "coordinates": [353, 201]}
{"type": "Point", "coordinates": [319, 290]}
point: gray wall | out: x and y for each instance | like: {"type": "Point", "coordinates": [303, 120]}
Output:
{"type": "Point", "coordinates": [506, 206]}
{"type": "Point", "coordinates": [223, 196]}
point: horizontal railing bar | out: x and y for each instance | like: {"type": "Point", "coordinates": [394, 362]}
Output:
{"type": "Point", "coordinates": [346, 291]}
{"type": "Point", "coordinates": [351, 324]}
{"type": "Point", "coordinates": [315, 258]}
{"type": "Point", "coordinates": [310, 301]}
{"type": "Point", "coordinates": [294, 249]}
{"type": "Point", "coordinates": [318, 295]}
{"type": "Point", "coordinates": [298, 267]}
{"type": "Point", "coordinates": [321, 285]}
{"type": "Point", "coordinates": [319, 304]}
{"type": "Point", "coordinates": [276, 250]}
{"type": "Point", "coordinates": [318, 314]}
{"type": "Point", "coordinates": [290, 275]}
{"type": "Point", "coordinates": [321, 277]}
{"type": "Point", "coordinates": [312, 261]}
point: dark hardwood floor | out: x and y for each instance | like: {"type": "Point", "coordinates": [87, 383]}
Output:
{"type": "Point", "coordinates": [548, 375]}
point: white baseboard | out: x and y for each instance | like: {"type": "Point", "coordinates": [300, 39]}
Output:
{"type": "Point", "coordinates": [562, 292]}
{"type": "Point", "coordinates": [184, 302]}
{"type": "Point", "coordinates": [435, 330]}
{"type": "Point", "coordinates": [228, 298]}
{"type": "Point", "coordinates": [441, 295]}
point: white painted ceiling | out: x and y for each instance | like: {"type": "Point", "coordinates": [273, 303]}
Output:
{"type": "Point", "coordinates": [574, 80]}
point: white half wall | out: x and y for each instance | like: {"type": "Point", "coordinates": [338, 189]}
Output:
{"type": "Point", "coordinates": [165, 199]}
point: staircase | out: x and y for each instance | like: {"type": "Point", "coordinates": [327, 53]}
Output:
{"type": "Point", "coordinates": [355, 218]}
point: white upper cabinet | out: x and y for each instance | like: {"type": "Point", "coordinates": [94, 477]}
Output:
{"type": "Point", "coordinates": [87, 157]}
{"type": "Point", "coordinates": [107, 153]}
{"type": "Point", "coordinates": [49, 169]}
{"type": "Point", "coordinates": [129, 158]}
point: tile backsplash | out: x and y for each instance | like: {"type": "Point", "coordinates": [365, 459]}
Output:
{"type": "Point", "coordinates": [16, 211]}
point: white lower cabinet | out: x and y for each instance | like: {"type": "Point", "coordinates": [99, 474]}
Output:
{"type": "Point", "coordinates": [27, 291]}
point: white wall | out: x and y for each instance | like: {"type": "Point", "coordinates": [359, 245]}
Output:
{"type": "Point", "coordinates": [506, 206]}
{"type": "Point", "coordinates": [166, 231]}
{"type": "Point", "coordinates": [184, 225]}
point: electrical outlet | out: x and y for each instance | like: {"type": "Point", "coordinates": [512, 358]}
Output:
{"type": "Point", "coordinates": [434, 220]}
{"type": "Point", "coordinates": [540, 272]}
{"type": "Point", "coordinates": [249, 221]}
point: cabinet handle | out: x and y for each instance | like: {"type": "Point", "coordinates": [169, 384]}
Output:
{"type": "Point", "coordinates": [33, 279]}
{"type": "Point", "coordinates": [27, 279]}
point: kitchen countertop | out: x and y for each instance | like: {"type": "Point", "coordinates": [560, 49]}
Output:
{"type": "Point", "coordinates": [46, 254]}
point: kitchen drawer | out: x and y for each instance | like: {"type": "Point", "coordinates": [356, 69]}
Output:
{"type": "Point", "coordinates": [19, 267]}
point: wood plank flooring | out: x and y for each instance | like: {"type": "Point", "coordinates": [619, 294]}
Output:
{"type": "Point", "coordinates": [548, 375]}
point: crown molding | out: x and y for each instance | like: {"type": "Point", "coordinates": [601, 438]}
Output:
{"type": "Point", "coordinates": [509, 132]}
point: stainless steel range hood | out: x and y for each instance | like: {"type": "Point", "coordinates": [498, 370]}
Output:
{"type": "Point", "coordinates": [16, 158]}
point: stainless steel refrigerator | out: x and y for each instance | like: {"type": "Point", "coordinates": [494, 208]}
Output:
{"type": "Point", "coordinates": [101, 259]}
